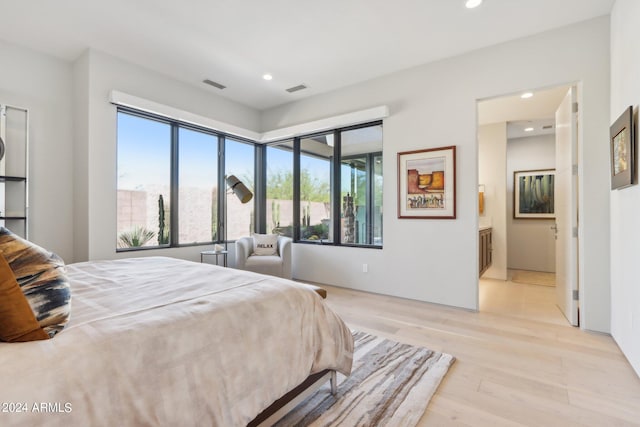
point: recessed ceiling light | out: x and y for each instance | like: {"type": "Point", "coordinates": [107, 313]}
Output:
{"type": "Point", "coordinates": [267, 76]}
{"type": "Point", "coordinates": [526, 95]}
{"type": "Point", "coordinates": [528, 129]}
{"type": "Point", "coordinates": [470, 4]}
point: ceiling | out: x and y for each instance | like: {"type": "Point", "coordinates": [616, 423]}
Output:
{"type": "Point", "coordinates": [324, 45]}
{"type": "Point", "coordinates": [537, 112]}
{"type": "Point", "coordinates": [537, 127]}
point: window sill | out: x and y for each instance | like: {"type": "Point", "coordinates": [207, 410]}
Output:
{"type": "Point", "coordinates": [148, 248]}
{"type": "Point", "coordinates": [343, 245]}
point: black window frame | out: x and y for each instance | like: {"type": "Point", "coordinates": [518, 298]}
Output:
{"type": "Point", "coordinates": [369, 194]}
{"type": "Point", "coordinates": [174, 217]}
{"type": "Point", "coordinates": [336, 182]}
{"type": "Point", "coordinates": [260, 178]}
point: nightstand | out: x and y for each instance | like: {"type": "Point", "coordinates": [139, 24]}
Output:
{"type": "Point", "coordinates": [216, 254]}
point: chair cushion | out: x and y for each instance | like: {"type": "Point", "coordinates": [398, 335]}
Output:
{"type": "Point", "coordinates": [265, 264]}
{"type": "Point", "coordinates": [265, 244]}
{"type": "Point", "coordinates": [41, 276]}
{"type": "Point", "coordinates": [17, 321]}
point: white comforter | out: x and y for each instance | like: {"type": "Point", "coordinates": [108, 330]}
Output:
{"type": "Point", "coordinates": [164, 342]}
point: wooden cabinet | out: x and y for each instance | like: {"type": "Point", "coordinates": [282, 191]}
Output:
{"type": "Point", "coordinates": [485, 250]}
{"type": "Point", "coordinates": [14, 169]}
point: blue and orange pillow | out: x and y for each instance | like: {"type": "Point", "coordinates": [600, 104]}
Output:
{"type": "Point", "coordinates": [40, 276]}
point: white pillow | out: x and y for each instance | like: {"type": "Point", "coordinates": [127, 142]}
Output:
{"type": "Point", "coordinates": [265, 244]}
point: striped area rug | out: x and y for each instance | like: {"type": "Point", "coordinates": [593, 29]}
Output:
{"type": "Point", "coordinates": [390, 385]}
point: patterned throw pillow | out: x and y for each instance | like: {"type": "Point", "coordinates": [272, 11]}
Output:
{"type": "Point", "coordinates": [265, 244]}
{"type": "Point", "coordinates": [41, 276]}
{"type": "Point", "coordinates": [17, 322]}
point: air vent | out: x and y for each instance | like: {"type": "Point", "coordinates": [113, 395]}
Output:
{"type": "Point", "coordinates": [214, 84]}
{"type": "Point", "coordinates": [296, 88]}
{"type": "Point", "coordinates": [547, 127]}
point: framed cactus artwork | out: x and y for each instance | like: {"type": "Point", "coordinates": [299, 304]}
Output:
{"type": "Point", "coordinates": [534, 194]}
{"type": "Point", "coordinates": [427, 183]}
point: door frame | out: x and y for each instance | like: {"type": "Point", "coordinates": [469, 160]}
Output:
{"type": "Point", "coordinates": [579, 258]}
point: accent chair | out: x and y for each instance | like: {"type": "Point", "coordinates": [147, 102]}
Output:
{"type": "Point", "coordinates": [274, 265]}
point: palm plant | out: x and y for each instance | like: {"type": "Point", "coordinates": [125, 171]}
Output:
{"type": "Point", "coordinates": [137, 237]}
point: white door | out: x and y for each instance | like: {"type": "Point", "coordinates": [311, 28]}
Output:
{"type": "Point", "coordinates": [566, 207]}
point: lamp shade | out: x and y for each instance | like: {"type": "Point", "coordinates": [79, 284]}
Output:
{"type": "Point", "coordinates": [239, 189]}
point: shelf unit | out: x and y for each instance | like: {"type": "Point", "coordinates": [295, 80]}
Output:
{"type": "Point", "coordinates": [14, 169]}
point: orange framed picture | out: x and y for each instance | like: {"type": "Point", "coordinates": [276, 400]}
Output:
{"type": "Point", "coordinates": [427, 183]}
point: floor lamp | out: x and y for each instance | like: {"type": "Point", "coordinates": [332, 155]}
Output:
{"type": "Point", "coordinates": [242, 193]}
{"type": "Point", "coordinates": [239, 189]}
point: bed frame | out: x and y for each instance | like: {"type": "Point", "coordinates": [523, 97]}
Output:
{"type": "Point", "coordinates": [286, 403]}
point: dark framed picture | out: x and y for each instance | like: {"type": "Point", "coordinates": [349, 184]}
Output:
{"type": "Point", "coordinates": [427, 183]}
{"type": "Point", "coordinates": [533, 194]}
{"type": "Point", "coordinates": [622, 141]}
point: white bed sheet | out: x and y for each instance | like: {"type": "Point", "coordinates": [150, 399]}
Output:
{"type": "Point", "coordinates": [164, 342]}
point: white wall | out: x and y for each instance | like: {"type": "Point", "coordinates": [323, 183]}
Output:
{"type": "Point", "coordinates": [625, 203]}
{"type": "Point", "coordinates": [43, 85]}
{"type": "Point", "coordinates": [106, 73]}
{"type": "Point", "coordinates": [492, 173]}
{"type": "Point", "coordinates": [530, 242]}
{"type": "Point", "coordinates": [81, 158]}
{"type": "Point", "coordinates": [435, 105]}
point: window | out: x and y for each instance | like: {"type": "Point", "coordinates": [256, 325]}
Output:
{"type": "Point", "coordinates": [327, 188]}
{"type": "Point", "coordinates": [377, 199]}
{"type": "Point", "coordinates": [353, 224]}
{"type": "Point", "coordinates": [240, 161]}
{"type": "Point", "coordinates": [144, 181]}
{"type": "Point", "coordinates": [361, 187]}
{"type": "Point", "coordinates": [316, 155]}
{"type": "Point", "coordinates": [279, 191]}
{"type": "Point", "coordinates": [197, 186]}
{"type": "Point", "coordinates": [322, 188]}
{"type": "Point", "coordinates": [169, 183]}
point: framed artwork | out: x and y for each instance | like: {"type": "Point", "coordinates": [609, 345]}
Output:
{"type": "Point", "coordinates": [622, 150]}
{"type": "Point", "coordinates": [533, 194]}
{"type": "Point", "coordinates": [427, 183]}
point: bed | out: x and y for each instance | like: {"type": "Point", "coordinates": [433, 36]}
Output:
{"type": "Point", "coordinates": [160, 341]}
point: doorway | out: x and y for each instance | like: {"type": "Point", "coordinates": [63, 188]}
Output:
{"type": "Point", "coordinates": [517, 154]}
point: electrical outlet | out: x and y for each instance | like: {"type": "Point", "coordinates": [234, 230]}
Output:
{"type": "Point", "coordinates": [365, 268]}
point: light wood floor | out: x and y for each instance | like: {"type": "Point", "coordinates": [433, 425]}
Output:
{"type": "Point", "coordinates": [533, 302]}
{"type": "Point", "coordinates": [518, 366]}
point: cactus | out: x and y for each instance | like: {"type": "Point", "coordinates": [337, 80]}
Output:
{"type": "Point", "coordinates": [306, 215]}
{"type": "Point", "coordinates": [214, 216]}
{"type": "Point", "coordinates": [161, 222]}
{"type": "Point", "coordinates": [275, 214]}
